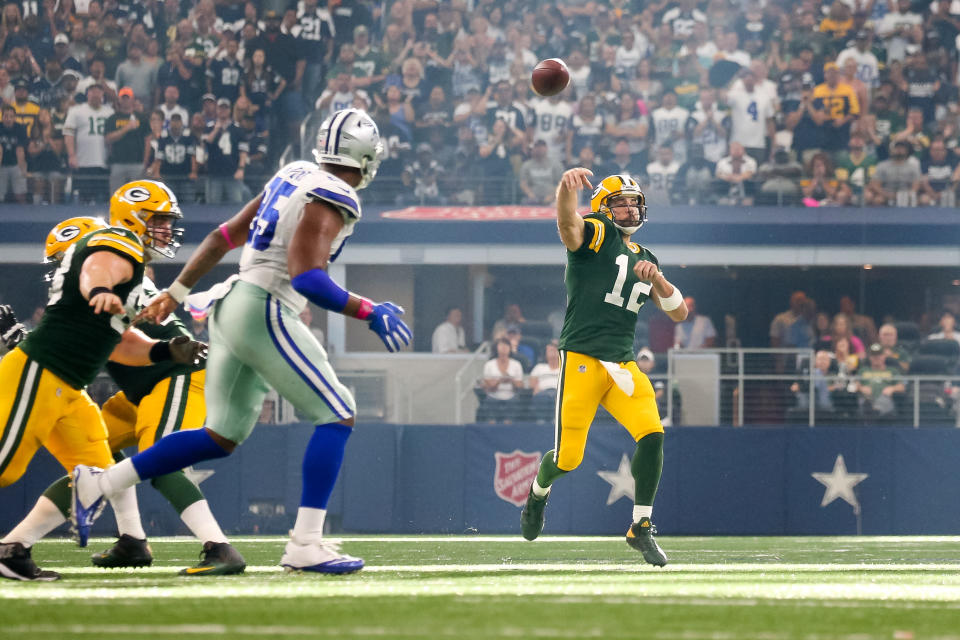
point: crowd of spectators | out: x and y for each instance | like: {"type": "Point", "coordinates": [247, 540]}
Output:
{"type": "Point", "coordinates": [707, 101]}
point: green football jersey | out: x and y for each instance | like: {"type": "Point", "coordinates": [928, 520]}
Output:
{"type": "Point", "coordinates": [137, 382]}
{"type": "Point", "coordinates": [603, 294]}
{"type": "Point", "coordinates": [71, 340]}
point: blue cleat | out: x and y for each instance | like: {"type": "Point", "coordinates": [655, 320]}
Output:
{"type": "Point", "coordinates": [87, 500]}
{"type": "Point", "coordinates": [319, 557]}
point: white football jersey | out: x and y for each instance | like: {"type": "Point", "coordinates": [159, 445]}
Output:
{"type": "Point", "coordinates": [551, 121]}
{"type": "Point", "coordinates": [749, 113]}
{"type": "Point", "coordinates": [264, 259]}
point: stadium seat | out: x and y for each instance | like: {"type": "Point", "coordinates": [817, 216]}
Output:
{"type": "Point", "coordinates": [908, 334]}
{"type": "Point", "coordinates": [947, 349]}
{"type": "Point", "coordinates": [929, 365]}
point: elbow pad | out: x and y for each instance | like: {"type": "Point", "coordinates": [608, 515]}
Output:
{"type": "Point", "coordinates": [319, 288]}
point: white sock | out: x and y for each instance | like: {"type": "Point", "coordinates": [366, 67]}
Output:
{"type": "Point", "coordinates": [42, 519]}
{"type": "Point", "coordinates": [642, 511]}
{"type": "Point", "coordinates": [309, 525]}
{"type": "Point", "coordinates": [538, 490]}
{"type": "Point", "coordinates": [201, 522]}
{"type": "Point", "coordinates": [127, 514]}
{"type": "Point", "coordinates": [118, 478]}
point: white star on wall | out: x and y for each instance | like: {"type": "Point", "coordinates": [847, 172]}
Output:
{"type": "Point", "coordinates": [840, 484]}
{"type": "Point", "coordinates": [621, 481]}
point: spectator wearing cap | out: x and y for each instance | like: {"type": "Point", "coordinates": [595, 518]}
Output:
{"type": "Point", "coordinates": [896, 179]}
{"type": "Point", "coordinates": [877, 385]}
{"type": "Point", "coordinates": [98, 77]}
{"type": "Point", "coordinates": [13, 158]}
{"type": "Point", "coordinates": [137, 74]}
{"type": "Point", "coordinates": [839, 102]}
{"type": "Point", "coordinates": [856, 167]}
{"type": "Point", "coordinates": [751, 116]}
{"type": "Point", "coordinates": [85, 139]}
{"type": "Point", "coordinates": [922, 85]}
{"type": "Point", "coordinates": [226, 152]}
{"type": "Point", "coordinates": [225, 74]}
{"type": "Point", "coordinates": [941, 175]}
{"type": "Point", "coordinates": [175, 159]}
{"type": "Point", "coordinates": [895, 28]}
{"type": "Point", "coordinates": [539, 175]}
{"type": "Point", "coordinates": [25, 108]}
{"type": "Point", "coordinates": [208, 110]}
{"type": "Point", "coordinates": [61, 51]}
{"type": "Point", "coordinates": [868, 67]}
{"type": "Point", "coordinates": [314, 32]}
{"type": "Point", "coordinates": [171, 105]}
{"type": "Point", "coordinates": [347, 16]}
{"type": "Point", "coordinates": [126, 133]}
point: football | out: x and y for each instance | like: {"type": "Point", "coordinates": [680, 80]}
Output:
{"type": "Point", "coordinates": [550, 77]}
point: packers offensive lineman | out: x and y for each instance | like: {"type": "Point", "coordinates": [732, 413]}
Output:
{"type": "Point", "coordinates": [608, 279]}
{"type": "Point", "coordinates": [94, 294]}
{"type": "Point", "coordinates": [290, 232]}
{"type": "Point", "coordinates": [152, 401]}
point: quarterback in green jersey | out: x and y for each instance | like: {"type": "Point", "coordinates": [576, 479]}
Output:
{"type": "Point", "coordinates": [608, 279]}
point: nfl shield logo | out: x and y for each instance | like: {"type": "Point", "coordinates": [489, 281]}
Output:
{"type": "Point", "coordinates": [514, 475]}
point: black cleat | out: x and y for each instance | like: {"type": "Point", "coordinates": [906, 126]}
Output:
{"type": "Point", "coordinates": [531, 518]}
{"type": "Point", "coordinates": [126, 552]}
{"type": "Point", "coordinates": [640, 537]}
{"type": "Point", "coordinates": [16, 564]}
{"type": "Point", "coordinates": [217, 559]}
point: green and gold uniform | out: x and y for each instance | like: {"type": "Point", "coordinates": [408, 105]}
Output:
{"type": "Point", "coordinates": [596, 343]}
{"type": "Point", "coordinates": [156, 400]}
{"type": "Point", "coordinates": [42, 396]}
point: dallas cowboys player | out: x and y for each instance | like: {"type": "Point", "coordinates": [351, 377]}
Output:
{"type": "Point", "coordinates": [297, 225]}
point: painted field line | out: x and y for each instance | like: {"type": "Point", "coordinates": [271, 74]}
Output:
{"type": "Point", "coordinates": [565, 567]}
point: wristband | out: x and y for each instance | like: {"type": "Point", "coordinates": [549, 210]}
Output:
{"type": "Point", "coordinates": [365, 309]}
{"type": "Point", "coordinates": [160, 351]}
{"type": "Point", "coordinates": [226, 236]}
{"type": "Point", "coordinates": [97, 291]}
{"type": "Point", "coordinates": [673, 301]}
{"type": "Point", "coordinates": [178, 291]}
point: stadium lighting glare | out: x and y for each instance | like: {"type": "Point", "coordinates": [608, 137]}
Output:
{"type": "Point", "coordinates": [867, 267]}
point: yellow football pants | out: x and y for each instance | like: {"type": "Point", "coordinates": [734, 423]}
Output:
{"type": "Point", "coordinates": [586, 384]}
{"type": "Point", "coordinates": [38, 409]}
{"type": "Point", "coordinates": [172, 405]}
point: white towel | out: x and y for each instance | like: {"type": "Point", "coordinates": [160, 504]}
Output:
{"type": "Point", "coordinates": [200, 303]}
{"type": "Point", "coordinates": [621, 377]}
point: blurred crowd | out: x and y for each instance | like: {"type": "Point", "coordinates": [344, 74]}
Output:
{"type": "Point", "coordinates": [707, 101]}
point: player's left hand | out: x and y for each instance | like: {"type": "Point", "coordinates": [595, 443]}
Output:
{"type": "Point", "coordinates": [385, 322]}
{"type": "Point", "coordinates": [183, 350]}
{"type": "Point", "coordinates": [157, 309]}
{"type": "Point", "coordinates": [646, 270]}
{"type": "Point", "coordinates": [11, 330]}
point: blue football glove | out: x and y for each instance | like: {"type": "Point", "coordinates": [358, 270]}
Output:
{"type": "Point", "coordinates": [385, 322]}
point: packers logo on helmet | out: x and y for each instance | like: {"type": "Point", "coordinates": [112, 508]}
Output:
{"type": "Point", "coordinates": [615, 186]}
{"type": "Point", "coordinates": [66, 233]}
{"type": "Point", "coordinates": [148, 208]}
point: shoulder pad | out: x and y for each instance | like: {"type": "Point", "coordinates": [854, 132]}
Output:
{"type": "Point", "coordinates": [117, 239]}
{"type": "Point", "coordinates": [333, 190]}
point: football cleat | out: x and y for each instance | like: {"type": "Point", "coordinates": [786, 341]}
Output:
{"type": "Point", "coordinates": [531, 518]}
{"type": "Point", "coordinates": [217, 559]}
{"type": "Point", "coordinates": [126, 552]}
{"type": "Point", "coordinates": [16, 564]}
{"type": "Point", "coordinates": [319, 557]}
{"type": "Point", "coordinates": [87, 500]}
{"type": "Point", "coordinates": [640, 537]}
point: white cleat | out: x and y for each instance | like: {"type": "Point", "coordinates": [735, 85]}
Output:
{"type": "Point", "coordinates": [320, 557]}
{"type": "Point", "coordinates": [87, 500]}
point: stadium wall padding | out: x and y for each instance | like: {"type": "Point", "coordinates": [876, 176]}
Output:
{"type": "Point", "coordinates": [441, 479]}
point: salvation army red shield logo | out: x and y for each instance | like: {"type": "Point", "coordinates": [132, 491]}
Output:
{"type": "Point", "coordinates": [514, 475]}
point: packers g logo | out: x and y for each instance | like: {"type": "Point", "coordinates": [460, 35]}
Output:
{"type": "Point", "coordinates": [67, 233]}
{"type": "Point", "coordinates": [136, 194]}
{"type": "Point", "coordinates": [596, 192]}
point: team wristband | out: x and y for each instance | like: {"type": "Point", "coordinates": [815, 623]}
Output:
{"type": "Point", "coordinates": [160, 351]}
{"type": "Point", "coordinates": [365, 308]}
{"type": "Point", "coordinates": [97, 291]}
{"type": "Point", "coordinates": [178, 291]}
{"type": "Point", "coordinates": [673, 301]}
{"type": "Point", "coordinates": [226, 235]}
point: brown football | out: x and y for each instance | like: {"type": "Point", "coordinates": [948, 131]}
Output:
{"type": "Point", "coordinates": [550, 77]}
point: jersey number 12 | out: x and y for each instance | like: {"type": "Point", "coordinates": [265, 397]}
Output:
{"type": "Point", "coordinates": [614, 297]}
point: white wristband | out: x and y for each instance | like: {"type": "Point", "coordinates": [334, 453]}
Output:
{"type": "Point", "coordinates": [178, 291]}
{"type": "Point", "coordinates": [673, 301]}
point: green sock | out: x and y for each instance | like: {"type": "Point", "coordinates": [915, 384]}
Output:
{"type": "Point", "coordinates": [646, 466]}
{"type": "Point", "coordinates": [549, 471]}
{"type": "Point", "coordinates": [59, 494]}
{"type": "Point", "coordinates": [178, 489]}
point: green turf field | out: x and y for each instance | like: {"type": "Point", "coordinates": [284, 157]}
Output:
{"type": "Point", "coordinates": [890, 588]}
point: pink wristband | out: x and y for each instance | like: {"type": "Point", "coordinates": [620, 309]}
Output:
{"type": "Point", "coordinates": [226, 236]}
{"type": "Point", "coordinates": [366, 308]}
